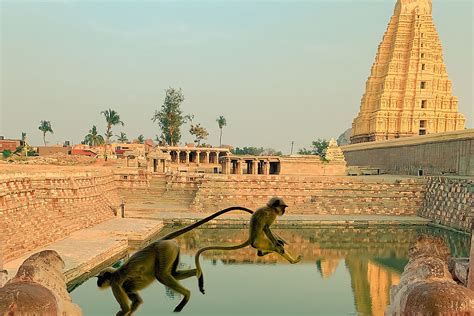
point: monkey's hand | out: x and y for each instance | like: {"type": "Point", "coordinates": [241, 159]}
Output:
{"type": "Point", "coordinates": [298, 259]}
{"type": "Point", "coordinates": [281, 242]}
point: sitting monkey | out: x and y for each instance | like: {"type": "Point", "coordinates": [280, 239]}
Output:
{"type": "Point", "coordinates": [159, 260]}
{"type": "Point", "coordinates": [260, 236]}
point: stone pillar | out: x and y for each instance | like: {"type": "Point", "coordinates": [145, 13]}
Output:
{"type": "Point", "coordinates": [207, 157]}
{"type": "Point", "coordinates": [240, 170]}
{"type": "Point", "coordinates": [198, 157]}
{"type": "Point", "coordinates": [217, 158]}
{"type": "Point", "coordinates": [227, 165]}
{"type": "Point", "coordinates": [266, 167]}
{"type": "Point", "coordinates": [254, 167]}
{"type": "Point", "coordinates": [178, 154]}
{"type": "Point", "coordinates": [187, 156]}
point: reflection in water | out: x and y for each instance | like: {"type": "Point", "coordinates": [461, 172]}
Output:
{"type": "Point", "coordinates": [375, 256]}
{"type": "Point", "coordinates": [372, 257]}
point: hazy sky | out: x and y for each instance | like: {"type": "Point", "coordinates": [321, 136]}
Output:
{"type": "Point", "coordinates": [279, 71]}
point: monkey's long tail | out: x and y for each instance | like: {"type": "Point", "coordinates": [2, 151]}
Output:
{"type": "Point", "coordinates": [203, 221]}
{"type": "Point", "coordinates": [199, 274]}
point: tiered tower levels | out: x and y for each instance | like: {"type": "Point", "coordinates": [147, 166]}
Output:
{"type": "Point", "coordinates": [408, 91]}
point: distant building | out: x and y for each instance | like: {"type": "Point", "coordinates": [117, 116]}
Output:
{"type": "Point", "coordinates": [408, 91]}
{"type": "Point", "coordinates": [51, 150]}
{"type": "Point", "coordinates": [83, 150]}
{"type": "Point", "coordinates": [9, 144]}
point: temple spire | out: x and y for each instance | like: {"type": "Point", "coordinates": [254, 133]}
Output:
{"type": "Point", "coordinates": [408, 91]}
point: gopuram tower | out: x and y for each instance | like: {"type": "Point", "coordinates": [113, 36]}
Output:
{"type": "Point", "coordinates": [408, 91]}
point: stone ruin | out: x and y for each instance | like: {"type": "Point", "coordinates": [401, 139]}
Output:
{"type": "Point", "coordinates": [334, 152]}
{"type": "Point", "coordinates": [426, 286]}
{"type": "Point", "coordinates": [38, 288]}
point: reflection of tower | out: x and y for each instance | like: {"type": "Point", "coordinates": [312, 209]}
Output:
{"type": "Point", "coordinates": [360, 283]}
{"type": "Point", "coordinates": [326, 267]}
{"type": "Point", "coordinates": [371, 284]}
{"type": "Point", "coordinates": [380, 281]}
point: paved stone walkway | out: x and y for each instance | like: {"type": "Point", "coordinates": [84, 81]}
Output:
{"type": "Point", "coordinates": [87, 251]}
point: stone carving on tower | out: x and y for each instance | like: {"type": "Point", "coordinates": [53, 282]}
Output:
{"type": "Point", "coordinates": [408, 91]}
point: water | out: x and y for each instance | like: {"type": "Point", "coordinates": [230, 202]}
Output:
{"type": "Point", "coordinates": [345, 271]}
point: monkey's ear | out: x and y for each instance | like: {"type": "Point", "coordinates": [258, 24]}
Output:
{"type": "Point", "coordinates": [275, 203]}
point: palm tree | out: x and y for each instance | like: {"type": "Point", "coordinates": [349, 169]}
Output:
{"type": "Point", "coordinates": [122, 137]}
{"type": "Point", "coordinates": [45, 127]}
{"type": "Point", "coordinates": [93, 138]}
{"type": "Point", "coordinates": [141, 139]}
{"type": "Point", "coordinates": [221, 121]}
{"type": "Point", "coordinates": [112, 118]}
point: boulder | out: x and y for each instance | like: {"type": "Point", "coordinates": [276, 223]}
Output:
{"type": "Point", "coordinates": [426, 286]}
{"type": "Point", "coordinates": [38, 288]}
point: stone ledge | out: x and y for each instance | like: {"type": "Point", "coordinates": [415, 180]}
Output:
{"type": "Point", "coordinates": [88, 251]}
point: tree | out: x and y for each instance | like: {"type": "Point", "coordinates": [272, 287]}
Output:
{"type": "Point", "coordinates": [122, 137]}
{"type": "Point", "coordinates": [141, 139]}
{"type": "Point", "coordinates": [112, 118]}
{"type": "Point", "coordinates": [170, 117]}
{"type": "Point", "coordinates": [93, 138]}
{"type": "Point", "coordinates": [45, 127]}
{"type": "Point", "coordinates": [254, 151]}
{"type": "Point", "coordinates": [319, 147]}
{"type": "Point", "coordinates": [199, 133]}
{"type": "Point", "coordinates": [221, 121]}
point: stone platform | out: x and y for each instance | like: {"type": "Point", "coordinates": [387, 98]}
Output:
{"type": "Point", "coordinates": [88, 251]}
{"type": "Point", "coordinates": [288, 220]}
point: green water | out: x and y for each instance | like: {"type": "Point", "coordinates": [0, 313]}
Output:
{"type": "Point", "coordinates": [345, 271]}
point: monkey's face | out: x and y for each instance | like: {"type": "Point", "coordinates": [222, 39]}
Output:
{"type": "Point", "coordinates": [103, 279]}
{"type": "Point", "coordinates": [278, 205]}
{"type": "Point", "coordinates": [281, 209]}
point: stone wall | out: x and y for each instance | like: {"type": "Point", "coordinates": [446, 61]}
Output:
{"type": "Point", "coordinates": [449, 202]}
{"type": "Point", "coordinates": [313, 195]}
{"type": "Point", "coordinates": [38, 209]}
{"type": "Point", "coordinates": [434, 154]}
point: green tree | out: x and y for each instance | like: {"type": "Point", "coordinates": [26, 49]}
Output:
{"type": "Point", "coordinates": [112, 118]}
{"type": "Point", "coordinates": [141, 139]}
{"type": "Point", "coordinates": [122, 137]}
{"type": "Point", "coordinates": [254, 151]}
{"type": "Point", "coordinates": [171, 117]}
{"type": "Point", "coordinates": [93, 138]}
{"type": "Point", "coordinates": [318, 147]}
{"type": "Point", "coordinates": [199, 133]}
{"type": "Point", "coordinates": [45, 127]}
{"type": "Point", "coordinates": [221, 121]}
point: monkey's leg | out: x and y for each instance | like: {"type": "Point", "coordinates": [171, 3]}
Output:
{"type": "Point", "coordinates": [289, 257]}
{"type": "Point", "coordinates": [121, 298]}
{"type": "Point", "coordinates": [173, 284]}
{"type": "Point", "coordinates": [136, 301]}
{"type": "Point", "coordinates": [184, 274]}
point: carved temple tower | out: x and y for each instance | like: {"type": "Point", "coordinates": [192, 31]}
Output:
{"type": "Point", "coordinates": [408, 91]}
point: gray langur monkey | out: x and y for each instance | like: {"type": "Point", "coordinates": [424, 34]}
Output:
{"type": "Point", "coordinates": [159, 261]}
{"type": "Point", "coordinates": [260, 237]}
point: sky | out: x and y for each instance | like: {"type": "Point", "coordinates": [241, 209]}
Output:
{"type": "Point", "coordinates": [278, 71]}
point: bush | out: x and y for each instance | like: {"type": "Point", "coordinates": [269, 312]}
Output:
{"type": "Point", "coordinates": [6, 153]}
